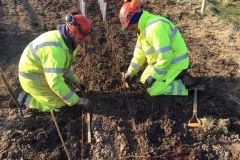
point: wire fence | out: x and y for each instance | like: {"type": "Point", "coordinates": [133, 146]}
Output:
{"type": "Point", "coordinates": [229, 10]}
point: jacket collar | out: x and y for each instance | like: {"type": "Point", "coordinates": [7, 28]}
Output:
{"type": "Point", "coordinates": [143, 20]}
{"type": "Point", "coordinates": [64, 32]}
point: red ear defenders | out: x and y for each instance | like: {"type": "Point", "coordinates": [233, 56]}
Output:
{"type": "Point", "coordinates": [70, 20]}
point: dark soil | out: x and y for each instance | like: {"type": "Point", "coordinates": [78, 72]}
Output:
{"type": "Point", "coordinates": [125, 123]}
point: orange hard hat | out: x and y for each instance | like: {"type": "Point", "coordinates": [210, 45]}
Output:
{"type": "Point", "coordinates": [127, 11]}
{"type": "Point", "coordinates": [80, 24]}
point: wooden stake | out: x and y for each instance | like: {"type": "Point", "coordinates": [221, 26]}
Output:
{"type": "Point", "coordinates": [89, 127]}
{"type": "Point", "coordinates": [203, 6]}
{"type": "Point", "coordinates": [125, 83]}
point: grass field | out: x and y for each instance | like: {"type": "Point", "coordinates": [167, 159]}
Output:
{"type": "Point", "coordinates": [226, 10]}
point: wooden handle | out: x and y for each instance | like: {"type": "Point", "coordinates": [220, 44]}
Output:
{"type": "Point", "coordinates": [9, 87]}
{"type": "Point", "coordinates": [194, 117]}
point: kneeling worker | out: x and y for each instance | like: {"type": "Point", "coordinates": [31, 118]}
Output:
{"type": "Point", "coordinates": [45, 67]}
{"type": "Point", "coordinates": [161, 45]}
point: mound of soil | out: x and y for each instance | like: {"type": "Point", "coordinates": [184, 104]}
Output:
{"type": "Point", "coordinates": [125, 123]}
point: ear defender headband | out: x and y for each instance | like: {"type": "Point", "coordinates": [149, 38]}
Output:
{"type": "Point", "coordinates": [70, 20]}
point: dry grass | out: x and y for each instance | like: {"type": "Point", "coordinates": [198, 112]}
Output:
{"type": "Point", "coordinates": [213, 125]}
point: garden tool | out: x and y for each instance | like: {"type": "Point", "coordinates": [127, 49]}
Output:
{"type": "Point", "coordinates": [195, 121]}
{"type": "Point", "coordinates": [27, 120]}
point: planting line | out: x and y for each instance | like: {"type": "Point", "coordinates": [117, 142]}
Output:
{"type": "Point", "coordinates": [126, 86]}
{"type": "Point", "coordinates": [60, 135]}
{"type": "Point", "coordinates": [81, 142]}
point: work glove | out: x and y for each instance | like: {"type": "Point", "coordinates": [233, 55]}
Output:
{"type": "Point", "coordinates": [149, 81]}
{"type": "Point", "coordinates": [80, 86]}
{"type": "Point", "coordinates": [84, 102]}
{"type": "Point", "coordinates": [128, 77]}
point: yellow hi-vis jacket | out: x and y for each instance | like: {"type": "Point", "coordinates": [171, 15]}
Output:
{"type": "Point", "coordinates": [160, 44]}
{"type": "Point", "coordinates": [48, 62]}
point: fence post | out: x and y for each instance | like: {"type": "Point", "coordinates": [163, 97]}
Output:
{"type": "Point", "coordinates": [203, 6]}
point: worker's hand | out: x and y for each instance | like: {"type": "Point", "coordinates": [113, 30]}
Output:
{"type": "Point", "coordinates": [80, 86]}
{"type": "Point", "coordinates": [149, 81]}
{"type": "Point", "coordinates": [84, 102]}
{"type": "Point", "coordinates": [128, 77]}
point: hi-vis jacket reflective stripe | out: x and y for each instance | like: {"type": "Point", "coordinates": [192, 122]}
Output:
{"type": "Point", "coordinates": [160, 44]}
{"type": "Point", "coordinates": [47, 58]}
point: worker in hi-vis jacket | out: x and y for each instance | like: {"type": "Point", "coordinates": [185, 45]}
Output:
{"type": "Point", "coordinates": [45, 67]}
{"type": "Point", "coordinates": [160, 44]}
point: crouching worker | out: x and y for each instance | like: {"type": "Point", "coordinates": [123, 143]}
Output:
{"type": "Point", "coordinates": [161, 45]}
{"type": "Point", "coordinates": [45, 67]}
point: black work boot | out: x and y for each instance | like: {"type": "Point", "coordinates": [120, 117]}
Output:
{"type": "Point", "coordinates": [188, 80]}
